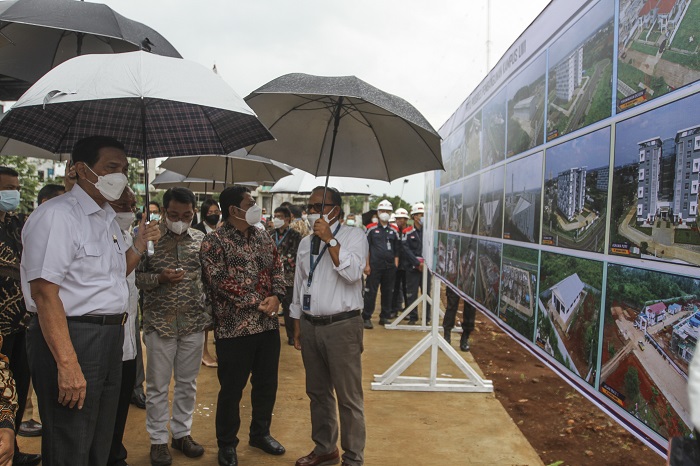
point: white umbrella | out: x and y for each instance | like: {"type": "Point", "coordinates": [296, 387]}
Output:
{"type": "Point", "coordinates": [302, 182]}
{"type": "Point", "coordinates": [169, 179]}
{"type": "Point", "coordinates": [229, 169]}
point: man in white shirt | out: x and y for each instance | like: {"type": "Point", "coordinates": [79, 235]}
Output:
{"type": "Point", "coordinates": [73, 277]}
{"type": "Point", "coordinates": [327, 306]}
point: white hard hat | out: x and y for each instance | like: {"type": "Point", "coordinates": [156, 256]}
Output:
{"type": "Point", "coordinates": [385, 205]}
{"type": "Point", "coordinates": [418, 208]}
{"type": "Point", "coordinates": [392, 218]}
{"type": "Point", "coordinates": [401, 213]}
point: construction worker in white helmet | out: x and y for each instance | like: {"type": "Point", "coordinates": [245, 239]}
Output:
{"type": "Point", "coordinates": [382, 262]}
{"type": "Point", "coordinates": [399, 298]}
{"type": "Point", "coordinates": [412, 258]}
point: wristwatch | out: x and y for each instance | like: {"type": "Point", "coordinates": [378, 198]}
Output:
{"type": "Point", "coordinates": [332, 243]}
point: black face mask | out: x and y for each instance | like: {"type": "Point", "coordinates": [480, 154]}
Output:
{"type": "Point", "coordinates": [212, 219]}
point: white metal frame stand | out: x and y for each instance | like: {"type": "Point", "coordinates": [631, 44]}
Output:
{"type": "Point", "coordinates": [392, 378]}
{"type": "Point", "coordinates": [424, 300]}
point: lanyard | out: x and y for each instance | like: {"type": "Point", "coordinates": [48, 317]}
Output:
{"type": "Point", "coordinates": [314, 263]}
{"type": "Point", "coordinates": [277, 235]}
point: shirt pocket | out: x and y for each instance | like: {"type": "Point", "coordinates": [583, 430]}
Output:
{"type": "Point", "coordinates": [93, 260]}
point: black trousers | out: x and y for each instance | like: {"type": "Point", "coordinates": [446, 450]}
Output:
{"type": "Point", "coordinates": [288, 321]}
{"type": "Point", "coordinates": [377, 277]}
{"type": "Point", "coordinates": [72, 436]}
{"type": "Point", "coordinates": [468, 315]}
{"type": "Point", "coordinates": [14, 346]}
{"type": "Point", "coordinates": [117, 454]}
{"type": "Point", "coordinates": [256, 356]}
{"type": "Point", "coordinates": [399, 291]}
{"type": "Point", "coordinates": [414, 281]}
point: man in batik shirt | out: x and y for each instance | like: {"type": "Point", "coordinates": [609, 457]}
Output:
{"type": "Point", "coordinates": [244, 281]}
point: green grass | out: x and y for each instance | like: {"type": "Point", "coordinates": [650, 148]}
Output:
{"type": "Point", "coordinates": [644, 48]}
{"type": "Point", "coordinates": [630, 75]}
{"type": "Point", "coordinates": [688, 28]}
{"type": "Point", "coordinates": [689, 61]}
{"type": "Point", "coordinates": [646, 230]}
{"type": "Point", "coordinates": [687, 237]}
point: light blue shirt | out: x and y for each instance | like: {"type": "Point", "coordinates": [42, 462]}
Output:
{"type": "Point", "coordinates": [333, 289]}
{"type": "Point", "coordinates": [76, 244]}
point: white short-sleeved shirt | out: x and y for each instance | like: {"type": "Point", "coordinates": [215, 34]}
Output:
{"type": "Point", "coordinates": [129, 348]}
{"type": "Point", "coordinates": [74, 243]}
{"type": "Point", "coordinates": [333, 289]}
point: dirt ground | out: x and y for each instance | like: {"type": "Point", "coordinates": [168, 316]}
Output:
{"type": "Point", "coordinates": [415, 428]}
{"type": "Point", "coordinates": [544, 422]}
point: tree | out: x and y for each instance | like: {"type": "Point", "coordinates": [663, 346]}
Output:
{"type": "Point", "coordinates": [28, 180]}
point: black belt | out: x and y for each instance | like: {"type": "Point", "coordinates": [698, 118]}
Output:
{"type": "Point", "coordinates": [109, 319]}
{"type": "Point", "coordinates": [325, 320]}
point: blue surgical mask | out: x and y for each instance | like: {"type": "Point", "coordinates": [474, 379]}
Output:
{"type": "Point", "coordinates": [155, 217]}
{"type": "Point", "coordinates": [9, 200]}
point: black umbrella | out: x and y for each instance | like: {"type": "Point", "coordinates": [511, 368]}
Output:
{"type": "Point", "coordinates": [372, 133]}
{"type": "Point", "coordinates": [343, 126]}
{"type": "Point", "coordinates": [37, 35]}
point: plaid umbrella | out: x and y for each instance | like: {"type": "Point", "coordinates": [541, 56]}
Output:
{"type": "Point", "coordinates": [39, 34]}
{"type": "Point", "coordinates": [157, 106]}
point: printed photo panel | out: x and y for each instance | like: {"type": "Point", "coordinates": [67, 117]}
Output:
{"type": "Point", "coordinates": [580, 72]}
{"type": "Point", "coordinates": [519, 289]}
{"type": "Point", "coordinates": [523, 196]}
{"type": "Point", "coordinates": [568, 321]}
{"type": "Point", "coordinates": [576, 192]}
{"type": "Point", "coordinates": [652, 321]}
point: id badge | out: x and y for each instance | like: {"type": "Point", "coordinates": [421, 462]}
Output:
{"type": "Point", "coordinates": [306, 305]}
{"type": "Point", "coordinates": [388, 245]}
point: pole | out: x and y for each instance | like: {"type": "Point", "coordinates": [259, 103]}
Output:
{"type": "Point", "coordinates": [316, 241]}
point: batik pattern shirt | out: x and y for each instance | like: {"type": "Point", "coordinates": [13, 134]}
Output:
{"type": "Point", "coordinates": [12, 307]}
{"type": "Point", "coordinates": [287, 245]}
{"type": "Point", "coordinates": [8, 394]}
{"type": "Point", "coordinates": [239, 272]}
{"type": "Point", "coordinates": [173, 309]}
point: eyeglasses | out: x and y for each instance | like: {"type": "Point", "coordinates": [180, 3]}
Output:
{"type": "Point", "coordinates": [174, 217]}
{"type": "Point", "coordinates": [317, 207]}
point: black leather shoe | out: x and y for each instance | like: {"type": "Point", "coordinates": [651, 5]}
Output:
{"type": "Point", "coordinates": [464, 343]}
{"type": "Point", "coordinates": [139, 400]}
{"type": "Point", "coordinates": [267, 444]}
{"type": "Point", "coordinates": [26, 459]}
{"type": "Point", "coordinates": [228, 457]}
{"type": "Point", "coordinates": [448, 335]}
{"type": "Point", "coordinates": [30, 428]}
{"type": "Point", "coordinates": [383, 321]}
{"type": "Point", "coordinates": [290, 341]}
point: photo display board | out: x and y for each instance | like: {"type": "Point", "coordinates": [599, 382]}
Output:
{"type": "Point", "coordinates": [568, 208]}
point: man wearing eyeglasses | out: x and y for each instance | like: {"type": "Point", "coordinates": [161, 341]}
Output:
{"type": "Point", "coordinates": [327, 307]}
{"type": "Point", "coordinates": [174, 320]}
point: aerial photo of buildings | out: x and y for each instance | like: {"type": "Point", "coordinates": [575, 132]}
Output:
{"type": "Point", "coordinates": [526, 94]}
{"type": "Point", "coordinates": [519, 289]}
{"type": "Point", "coordinates": [522, 199]}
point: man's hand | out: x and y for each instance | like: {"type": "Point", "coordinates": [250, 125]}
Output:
{"type": "Point", "coordinates": [171, 276]}
{"type": "Point", "coordinates": [367, 269]}
{"type": "Point", "coordinates": [420, 267]}
{"type": "Point", "coordinates": [71, 385]}
{"type": "Point", "coordinates": [269, 306]}
{"type": "Point", "coordinates": [7, 446]}
{"type": "Point", "coordinates": [323, 230]}
{"type": "Point", "coordinates": [396, 261]}
{"type": "Point", "coordinates": [297, 334]}
{"type": "Point", "coordinates": [148, 231]}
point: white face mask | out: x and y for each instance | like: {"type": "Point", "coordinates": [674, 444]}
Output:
{"type": "Point", "coordinates": [384, 217]}
{"type": "Point", "coordinates": [253, 215]}
{"type": "Point", "coordinates": [277, 223]}
{"type": "Point", "coordinates": [314, 217]}
{"type": "Point", "coordinates": [178, 227]}
{"type": "Point", "coordinates": [9, 200]}
{"type": "Point", "coordinates": [110, 186]}
{"type": "Point", "coordinates": [375, 219]}
{"type": "Point", "coordinates": [125, 220]}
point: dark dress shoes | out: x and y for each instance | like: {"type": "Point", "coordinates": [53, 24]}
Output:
{"type": "Point", "coordinates": [138, 400]}
{"type": "Point", "coordinates": [312, 459]}
{"type": "Point", "coordinates": [267, 444]}
{"type": "Point", "coordinates": [228, 457]}
{"type": "Point", "coordinates": [464, 343]}
{"type": "Point", "coordinates": [26, 459]}
{"type": "Point", "coordinates": [30, 428]}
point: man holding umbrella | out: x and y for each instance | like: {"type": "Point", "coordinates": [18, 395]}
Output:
{"type": "Point", "coordinates": [327, 307]}
{"type": "Point", "coordinates": [73, 275]}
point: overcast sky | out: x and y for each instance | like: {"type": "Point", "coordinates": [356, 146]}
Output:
{"type": "Point", "coordinates": [431, 53]}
